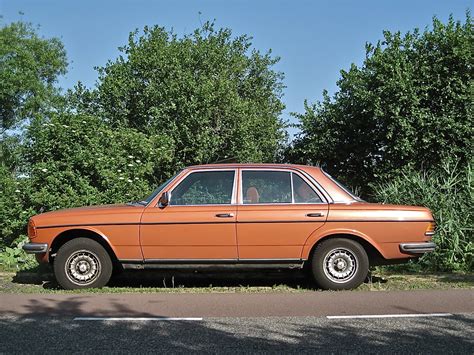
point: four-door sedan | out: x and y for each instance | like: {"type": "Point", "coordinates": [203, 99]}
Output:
{"type": "Point", "coordinates": [233, 216]}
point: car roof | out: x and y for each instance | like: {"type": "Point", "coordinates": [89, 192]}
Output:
{"type": "Point", "coordinates": [250, 165]}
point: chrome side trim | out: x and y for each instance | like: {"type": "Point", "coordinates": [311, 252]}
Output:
{"type": "Point", "coordinates": [417, 248]}
{"type": "Point", "coordinates": [189, 172]}
{"type": "Point", "coordinates": [313, 184]}
{"type": "Point", "coordinates": [35, 248]}
{"type": "Point", "coordinates": [210, 261]}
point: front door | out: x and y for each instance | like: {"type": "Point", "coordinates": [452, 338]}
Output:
{"type": "Point", "coordinates": [197, 224]}
{"type": "Point", "coordinates": [278, 211]}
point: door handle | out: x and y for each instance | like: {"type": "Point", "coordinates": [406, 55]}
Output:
{"type": "Point", "coordinates": [318, 214]}
{"type": "Point", "coordinates": [225, 215]}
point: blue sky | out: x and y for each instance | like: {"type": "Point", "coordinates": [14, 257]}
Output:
{"type": "Point", "coordinates": [315, 39]}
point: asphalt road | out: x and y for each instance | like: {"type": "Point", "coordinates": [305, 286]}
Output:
{"type": "Point", "coordinates": [268, 322]}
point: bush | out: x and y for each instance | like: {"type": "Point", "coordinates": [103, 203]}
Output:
{"type": "Point", "coordinates": [409, 106]}
{"type": "Point", "coordinates": [449, 195]}
{"type": "Point", "coordinates": [14, 258]}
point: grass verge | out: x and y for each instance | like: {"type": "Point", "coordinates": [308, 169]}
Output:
{"type": "Point", "coordinates": [42, 281]}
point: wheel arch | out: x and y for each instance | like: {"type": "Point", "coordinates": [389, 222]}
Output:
{"type": "Point", "coordinates": [373, 252]}
{"type": "Point", "coordinates": [83, 232]}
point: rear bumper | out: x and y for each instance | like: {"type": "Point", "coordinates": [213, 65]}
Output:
{"type": "Point", "coordinates": [35, 248]}
{"type": "Point", "coordinates": [417, 248]}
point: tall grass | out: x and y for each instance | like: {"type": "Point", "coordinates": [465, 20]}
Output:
{"type": "Point", "coordinates": [449, 193]}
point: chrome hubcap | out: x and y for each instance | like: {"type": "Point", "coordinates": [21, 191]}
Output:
{"type": "Point", "coordinates": [82, 267]}
{"type": "Point", "coordinates": [340, 265]}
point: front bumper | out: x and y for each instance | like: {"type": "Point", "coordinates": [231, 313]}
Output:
{"type": "Point", "coordinates": [417, 248]}
{"type": "Point", "coordinates": [35, 248]}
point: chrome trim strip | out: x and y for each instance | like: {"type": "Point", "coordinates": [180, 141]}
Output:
{"type": "Point", "coordinates": [209, 261]}
{"type": "Point", "coordinates": [233, 200]}
{"type": "Point", "coordinates": [417, 248]}
{"type": "Point", "coordinates": [327, 197]}
{"type": "Point", "coordinates": [304, 176]}
{"type": "Point", "coordinates": [215, 222]}
{"type": "Point", "coordinates": [35, 248]}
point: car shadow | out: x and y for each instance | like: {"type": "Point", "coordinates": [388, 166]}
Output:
{"type": "Point", "coordinates": [159, 279]}
{"type": "Point", "coordinates": [182, 279]}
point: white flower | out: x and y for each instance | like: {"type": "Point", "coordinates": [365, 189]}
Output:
{"type": "Point", "coordinates": [84, 122]}
{"type": "Point", "coordinates": [119, 170]}
{"type": "Point", "coordinates": [17, 191]}
{"type": "Point", "coordinates": [130, 156]}
{"type": "Point", "coordinates": [65, 126]}
{"type": "Point", "coordinates": [129, 180]}
{"type": "Point", "coordinates": [138, 161]}
{"type": "Point", "coordinates": [121, 178]}
{"type": "Point", "coordinates": [129, 164]}
{"type": "Point", "coordinates": [44, 170]}
{"type": "Point", "coordinates": [137, 178]}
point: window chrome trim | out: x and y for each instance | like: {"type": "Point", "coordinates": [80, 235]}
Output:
{"type": "Point", "coordinates": [311, 182]}
{"type": "Point", "coordinates": [233, 201]}
{"type": "Point", "coordinates": [320, 189]}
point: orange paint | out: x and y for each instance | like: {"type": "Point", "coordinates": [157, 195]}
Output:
{"type": "Point", "coordinates": [238, 230]}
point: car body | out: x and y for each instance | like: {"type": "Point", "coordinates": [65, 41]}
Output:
{"type": "Point", "coordinates": [235, 216]}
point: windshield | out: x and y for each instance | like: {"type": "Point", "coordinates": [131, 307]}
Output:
{"type": "Point", "coordinates": [342, 186]}
{"type": "Point", "coordinates": [147, 200]}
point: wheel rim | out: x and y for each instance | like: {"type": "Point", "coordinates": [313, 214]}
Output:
{"type": "Point", "coordinates": [340, 265]}
{"type": "Point", "coordinates": [83, 267]}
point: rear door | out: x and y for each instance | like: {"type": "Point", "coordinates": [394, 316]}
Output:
{"type": "Point", "coordinates": [278, 210]}
{"type": "Point", "coordinates": [198, 223]}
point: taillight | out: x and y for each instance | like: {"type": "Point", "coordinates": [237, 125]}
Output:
{"type": "Point", "coordinates": [430, 230]}
{"type": "Point", "coordinates": [31, 229]}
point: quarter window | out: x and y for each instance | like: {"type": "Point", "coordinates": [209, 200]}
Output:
{"type": "Point", "coordinates": [302, 192]}
{"type": "Point", "coordinates": [204, 188]}
{"type": "Point", "coordinates": [266, 187]}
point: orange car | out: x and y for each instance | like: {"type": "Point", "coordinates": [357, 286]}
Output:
{"type": "Point", "coordinates": [236, 216]}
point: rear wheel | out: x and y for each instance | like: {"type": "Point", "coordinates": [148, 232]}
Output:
{"type": "Point", "coordinates": [339, 264]}
{"type": "Point", "coordinates": [82, 263]}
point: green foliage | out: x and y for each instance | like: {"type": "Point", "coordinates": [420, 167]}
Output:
{"type": "Point", "coordinates": [14, 209]}
{"type": "Point", "coordinates": [14, 258]}
{"type": "Point", "coordinates": [29, 66]}
{"type": "Point", "coordinates": [77, 159]}
{"type": "Point", "coordinates": [408, 106]}
{"type": "Point", "coordinates": [207, 91]}
{"type": "Point", "coordinates": [449, 194]}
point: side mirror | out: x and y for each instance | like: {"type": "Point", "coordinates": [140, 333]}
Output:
{"type": "Point", "coordinates": [164, 200]}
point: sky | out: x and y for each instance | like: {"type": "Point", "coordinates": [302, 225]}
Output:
{"type": "Point", "coordinates": [315, 39]}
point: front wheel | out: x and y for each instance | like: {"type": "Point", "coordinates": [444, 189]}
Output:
{"type": "Point", "coordinates": [339, 264]}
{"type": "Point", "coordinates": [82, 263]}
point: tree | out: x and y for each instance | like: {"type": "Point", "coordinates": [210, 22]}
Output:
{"type": "Point", "coordinates": [76, 159]}
{"type": "Point", "coordinates": [206, 92]}
{"type": "Point", "coordinates": [29, 67]}
{"type": "Point", "coordinates": [408, 106]}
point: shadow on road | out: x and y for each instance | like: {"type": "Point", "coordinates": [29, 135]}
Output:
{"type": "Point", "coordinates": [52, 331]}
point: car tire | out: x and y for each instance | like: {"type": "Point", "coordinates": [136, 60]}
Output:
{"type": "Point", "coordinates": [82, 263]}
{"type": "Point", "coordinates": [339, 264]}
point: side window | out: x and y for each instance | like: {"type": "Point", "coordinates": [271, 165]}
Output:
{"type": "Point", "coordinates": [266, 187]}
{"type": "Point", "coordinates": [204, 188]}
{"type": "Point", "coordinates": [302, 192]}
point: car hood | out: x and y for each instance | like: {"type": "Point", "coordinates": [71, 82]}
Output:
{"type": "Point", "coordinates": [104, 214]}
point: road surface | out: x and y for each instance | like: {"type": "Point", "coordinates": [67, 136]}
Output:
{"type": "Point", "coordinates": [400, 321]}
